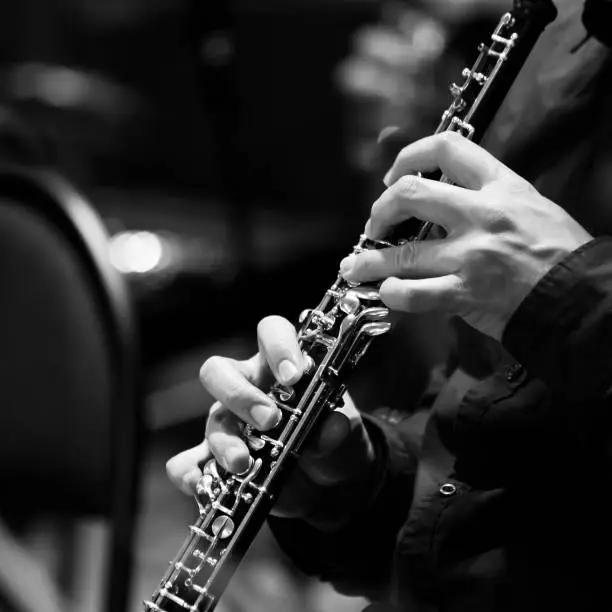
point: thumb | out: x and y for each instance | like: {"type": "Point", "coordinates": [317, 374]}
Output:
{"type": "Point", "coordinates": [341, 450]}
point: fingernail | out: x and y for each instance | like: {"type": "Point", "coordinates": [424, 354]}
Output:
{"type": "Point", "coordinates": [265, 417]}
{"type": "Point", "coordinates": [346, 265]}
{"type": "Point", "coordinates": [286, 371]}
{"type": "Point", "coordinates": [387, 179]}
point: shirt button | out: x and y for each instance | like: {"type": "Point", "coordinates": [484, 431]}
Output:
{"type": "Point", "coordinates": [448, 489]}
{"type": "Point", "coordinates": [513, 372]}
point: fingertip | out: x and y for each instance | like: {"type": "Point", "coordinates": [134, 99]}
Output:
{"type": "Point", "coordinates": [209, 367]}
{"type": "Point", "coordinates": [265, 416]}
{"type": "Point", "coordinates": [173, 468]}
{"type": "Point", "coordinates": [236, 459]}
{"type": "Point", "coordinates": [190, 481]}
{"type": "Point", "coordinates": [370, 230]}
{"type": "Point", "coordinates": [346, 266]}
{"type": "Point", "coordinates": [183, 478]}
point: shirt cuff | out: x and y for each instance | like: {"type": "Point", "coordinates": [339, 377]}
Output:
{"type": "Point", "coordinates": [337, 556]}
{"type": "Point", "coordinates": [562, 332]}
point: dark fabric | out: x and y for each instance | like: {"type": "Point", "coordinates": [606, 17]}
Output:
{"type": "Point", "coordinates": [597, 18]}
{"type": "Point", "coordinates": [55, 381]}
{"type": "Point", "coordinates": [511, 501]}
{"type": "Point", "coordinates": [346, 550]}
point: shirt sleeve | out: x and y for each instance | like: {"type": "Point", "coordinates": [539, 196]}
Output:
{"type": "Point", "coordinates": [562, 333]}
{"type": "Point", "coordinates": [357, 558]}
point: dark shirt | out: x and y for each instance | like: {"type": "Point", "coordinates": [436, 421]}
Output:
{"type": "Point", "coordinates": [506, 504]}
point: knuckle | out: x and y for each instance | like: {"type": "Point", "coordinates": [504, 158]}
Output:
{"type": "Point", "coordinates": [452, 136]}
{"type": "Point", "coordinates": [447, 146]}
{"type": "Point", "coordinates": [497, 221]}
{"type": "Point", "coordinates": [265, 323]}
{"type": "Point", "coordinates": [172, 469]}
{"type": "Point", "coordinates": [414, 301]}
{"type": "Point", "coordinates": [175, 468]}
{"type": "Point", "coordinates": [407, 186]}
{"type": "Point", "coordinates": [362, 264]}
{"type": "Point", "coordinates": [406, 256]}
{"type": "Point", "coordinates": [377, 208]}
{"type": "Point", "coordinates": [210, 366]}
{"type": "Point", "coordinates": [514, 183]}
{"type": "Point", "coordinates": [480, 247]}
{"type": "Point", "coordinates": [490, 212]}
{"type": "Point", "coordinates": [234, 397]}
{"type": "Point", "coordinates": [271, 322]}
{"type": "Point", "coordinates": [448, 141]}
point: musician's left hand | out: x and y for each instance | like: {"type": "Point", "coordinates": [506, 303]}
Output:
{"type": "Point", "coordinates": [502, 235]}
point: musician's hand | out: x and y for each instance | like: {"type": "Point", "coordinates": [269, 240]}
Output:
{"type": "Point", "coordinates": [502, 235]}
{"type": "Point", "coordinates": [338, 458]}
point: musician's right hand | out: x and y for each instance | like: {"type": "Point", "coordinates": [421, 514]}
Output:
{"type": "Point", "coordinates": [338, 458]}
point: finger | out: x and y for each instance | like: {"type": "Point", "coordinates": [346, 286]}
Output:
{"type": "Point", "coordinates": [229, 382]}
{"type": "Point", "coordinates": [414, 259]}
{"type": "Point", "coordinates": [461, 160]}
{"type": "Point", "coordinates": [223, 433]}
{"type": "Point", "coordinates": [413, 196]}
{"type": "Point", "coordinates": [440, 294]}
{"type": "Point", "coordinates": [278, 344]}
{"type": "Point", "coordinates": [184, 469]}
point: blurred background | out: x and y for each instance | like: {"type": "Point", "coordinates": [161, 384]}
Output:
{"type": "Point", "coordinates": [170, 172]}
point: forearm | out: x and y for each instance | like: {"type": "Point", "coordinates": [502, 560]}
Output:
{"type": "Point", "coordinates": [357, 558]}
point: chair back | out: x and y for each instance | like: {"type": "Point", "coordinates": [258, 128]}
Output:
{"type": "Point", "coordinates": [70, 409]}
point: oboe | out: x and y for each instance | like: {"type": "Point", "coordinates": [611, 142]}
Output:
{"type": "Point", "coordinates": [333, 337]}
